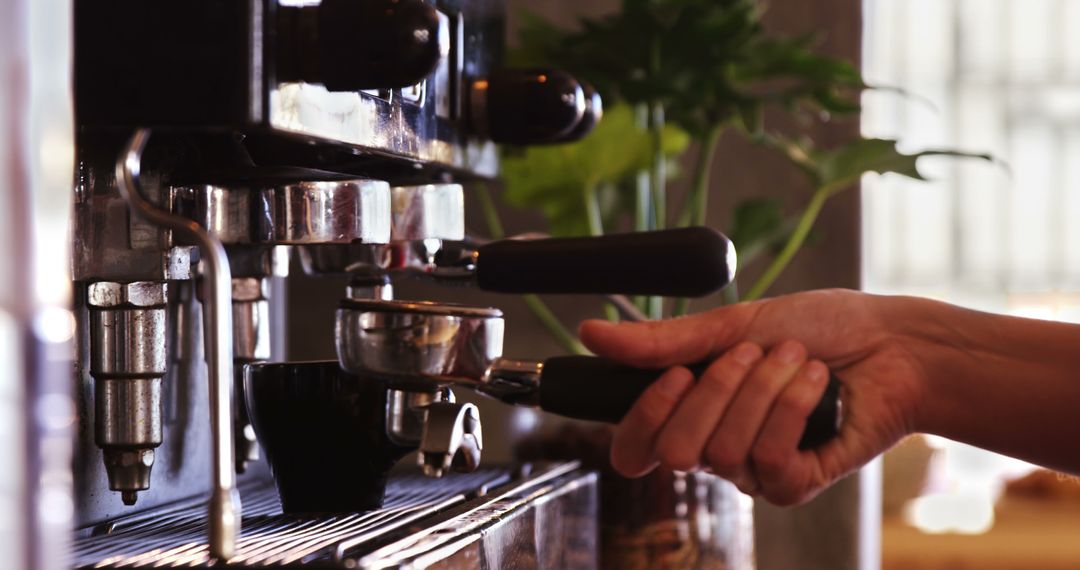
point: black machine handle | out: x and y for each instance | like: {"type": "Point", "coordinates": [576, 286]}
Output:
{"type": "Point", "coordinates": [393, 43]}
{"type": "Point", "coordinates": [350, 45]}
{"type": "Point", "coordinates": [597, 389]}
{"type": "Point", "coordinates": [530, 106]}
{"type": "Point", "coordinates": [686, 262]}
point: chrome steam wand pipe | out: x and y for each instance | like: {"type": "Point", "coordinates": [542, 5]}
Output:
{"type": "Point", "coordinates": [217, 278]}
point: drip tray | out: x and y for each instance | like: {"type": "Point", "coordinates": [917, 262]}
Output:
{"type": "Point", "coordinates": [423, 521]}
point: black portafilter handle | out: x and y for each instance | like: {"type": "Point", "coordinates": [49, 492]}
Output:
{"type": "Point", "coordinates": [685, 262]}
{"type": "Point", "coordinates": [597, 389]}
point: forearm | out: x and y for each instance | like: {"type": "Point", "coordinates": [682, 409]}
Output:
{"type": "Point", "coordinates": [1005, 384]}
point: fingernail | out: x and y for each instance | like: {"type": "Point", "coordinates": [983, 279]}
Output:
{"type": "Point", "coordinates": [817, 372]}
{"type": "Point", "coordinates": [673, 385]}
{"type": "Point", "coordinates": [746, 354]}
{"type": "Point", "coordinates": [791, 353]}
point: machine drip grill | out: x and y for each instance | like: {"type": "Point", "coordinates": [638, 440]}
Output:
{"type": "Point", "coordinates": [176, 536]}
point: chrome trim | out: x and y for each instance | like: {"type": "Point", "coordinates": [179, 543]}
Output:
{"type": "Point", "coordinates": [308, 212]}
{"type": "Point", "coordinates": [437, 542]}
{"type": "Point", "coordinates": [330, 212]}
{"type": "Point", "coordinates": [128, 364]}
{"type": "Point", "coordinates": [513, 381]}
{"type": "Point", "coordinates": [451, 438]}
{"type": "Point", "coordinates": [431, 211]}
{"type": "Point", "coordinates": [417, 345]}
{"type": "Point", "coordinates": [421, 308]}
{"type": "Point", "coordinates": [417, 512]}
{"type": "Point", "coordinates": [225, 508]}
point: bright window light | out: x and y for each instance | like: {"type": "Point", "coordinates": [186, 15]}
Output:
{"type": "Point", "coordinates": [997, 76]}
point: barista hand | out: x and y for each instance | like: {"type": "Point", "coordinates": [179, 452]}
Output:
{"type": "Point", "coordinates": [745, 416]}
{"type": "Point", "coordinates": [906, 364]}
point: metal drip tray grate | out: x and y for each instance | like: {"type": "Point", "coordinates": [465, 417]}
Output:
{"type": "Point", "coordinates": [176, 536]}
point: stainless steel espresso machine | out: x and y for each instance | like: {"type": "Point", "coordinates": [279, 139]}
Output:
{"type": "Point", "coordinates": [215, 142]}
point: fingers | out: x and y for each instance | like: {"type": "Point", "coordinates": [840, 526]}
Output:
{"type": "Point", "coordinates": [659, 344]}
{"type": "Point", "coordinates": [743, 419]}
{"type": "Point", "coordinates": [728, 450]}
{"type": "Point", "coordinates": [786, 474]}
{"type": "Point", "coordinates": [634, 439]}
{"type": "Point", "coordinates": [682, 440]}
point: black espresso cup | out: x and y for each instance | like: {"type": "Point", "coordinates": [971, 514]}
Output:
{"type": "Point", "coordinates": [324, 433]}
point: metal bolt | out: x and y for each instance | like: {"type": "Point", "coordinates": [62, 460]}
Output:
{"type": "Point", "coordinates": [109, 294]}
{"type": "Point", "coordinates": [248, 289]}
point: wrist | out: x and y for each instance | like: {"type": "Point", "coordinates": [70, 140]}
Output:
{"type": "Point", "coordinates": [976, 367]}
{"type": "Point", "coordinates": [1002, 383]}
{"type": "Point", "coordinates": [928, 337]}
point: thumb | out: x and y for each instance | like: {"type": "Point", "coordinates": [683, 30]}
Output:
{"type": "Point", "coordinates": [671, 342]}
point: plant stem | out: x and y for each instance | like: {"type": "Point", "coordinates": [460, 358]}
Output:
{"type": "Point", "coordinates": [657, 166]}
{"type": "Point", "coordinates": [596, 228]}
{"type": "Point", "coordinates": [592, 210]}
{"type": "Point", "coordinates": [535, 304]}
{"type": "Point", "coordinates": [696, 205]}
{"type": "Point", "coordinates": [795, 241]}
{"type": "Point", "coordinates": [654, 306]}
{"type": "Point", "coordinates": [642, 202]}
{"type": "Point", "coordinates": [491, 214]}
{"type": "Point", "coordinates": [554, 325]}
{"type": "Point", "coordinates": [643, 211]}
{"type": "Point", "coordinates": [730, 294]}
{"type": "Point", "coordinates": [682, 307]}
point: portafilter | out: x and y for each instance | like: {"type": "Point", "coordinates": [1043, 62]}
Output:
{"type": "Point", "coordinates": [420, 346]}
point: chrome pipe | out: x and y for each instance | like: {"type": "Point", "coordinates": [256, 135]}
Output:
{"type": "Point", "coordinates": [225, 506]}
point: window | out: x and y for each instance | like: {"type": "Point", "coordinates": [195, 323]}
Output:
{"type": "Point", "coordinates": [998, 76]}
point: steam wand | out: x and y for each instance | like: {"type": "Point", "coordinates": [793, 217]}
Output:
{"type": "Point", "coordinates": [225, 508]}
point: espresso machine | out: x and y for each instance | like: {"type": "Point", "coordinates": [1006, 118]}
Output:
{"type": "Point", "coordinates": [222, 144]}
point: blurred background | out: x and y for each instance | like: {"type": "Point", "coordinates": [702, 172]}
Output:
{"type": "Point", "coordinates": [998, 76]}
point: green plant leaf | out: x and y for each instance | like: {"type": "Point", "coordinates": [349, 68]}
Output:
{"type": "Point", "coordinates": [557, 178]}
{"type": "Point", "coordinates": [842, 166]}
{"type": "Point", "coordinates": [757, 225]}
{"type": "Point", "coordinates": [707, 62]}
{"type": "Point", "coordinates": [839, 167]}
{"type": "Point", "coordinates": [537, 39]}
{"type": "Point", "coordinates": [755, 219]}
